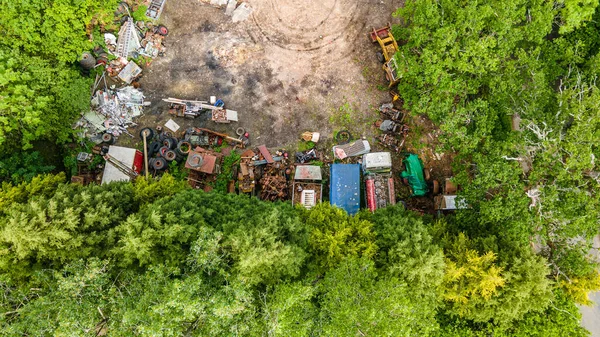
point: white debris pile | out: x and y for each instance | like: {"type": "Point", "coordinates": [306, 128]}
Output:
{"type": "Point", "coordinates": [112, 112]}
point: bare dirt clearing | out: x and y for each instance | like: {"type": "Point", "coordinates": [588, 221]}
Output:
{"type": "Point", "coordinates": [292, 66]}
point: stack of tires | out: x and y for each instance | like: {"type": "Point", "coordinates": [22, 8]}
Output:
{"type": "Point", "coordinates": [164, 148]}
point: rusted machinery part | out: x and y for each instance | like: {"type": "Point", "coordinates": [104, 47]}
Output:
{"type": "Point", "coordinates": [184, 147]}
{"type": "Point", "coordinates": [195, 160]}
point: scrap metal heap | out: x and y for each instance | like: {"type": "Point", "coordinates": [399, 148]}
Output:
{"type": "Point", "coordinates": [274, 185]}
{"type": "Point", "coordinates": [114, 109]}
{"type": "Point", "coordinates": [246, 179]}
{"type": "Point", "coordinates": [193, 109]}
{"type": "Point", "coordinates": [112, 112]}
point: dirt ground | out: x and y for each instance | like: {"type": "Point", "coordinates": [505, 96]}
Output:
{"type": "Point", "coordinates": [292, 66]}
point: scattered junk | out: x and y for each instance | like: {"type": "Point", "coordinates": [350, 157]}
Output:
{"type": "Point", "coordinates": [306, 156]}
{"type": "Point", "coordinates": [246, 179]}
{"type": "Point", "coordinates": [356, 148]}
{"type": "Point", "coordinates": [273, 183]}
{"type": "Point", "coordinates": [311, 136]}
{"type": "Point", "coordinates": [271, 172]}
{"type": "Point", "coordinates": [379, 183]}
{"type": "Point", "coordinates": [204, 165]}
{"type": "Point", "coordinates": [392, 126]}
{"type": "Point", "coordinates": [307, 187]}
{"type": "Point", "coordinates": [389, 112]}
{"type": "Point", "coordinates": [128, 42]}
{"type": "Point", "coordinates": [389, 47]}
{"type": "Point", "coordinates": [122, 164]}
{"type": "Point", "coordinates": [415, 175]}
{"type": "Point", "coordinates": [171, 125]}
{"type": "Point", "coordinates": [112, 112]}
{"type": "Point", "coordinates": [391, 142]}
{"type": "Point", "coordinates": [130, 72]}
{"type": "Point", "coordinates": [193, 109]}
{"type": "Point", "coordinates": [206, 138]}
{"type": "Point", "coordinates": [344, 188]}
{"type": "Point", "coordinates": [152, 44]}
{"type": "Point", "coordinates": [155, 9]}
{"type": "Point", "coordinates": [447, 200]}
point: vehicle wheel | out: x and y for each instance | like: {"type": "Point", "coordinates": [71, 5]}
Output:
{"type": "Point", "coordinates": [380, 57]}
{"type": "Point", "coordinates": [159, 163]}
{"type": "Point", "coordinates": [162, 30]}
{"type": "Point", "coordinates": [153, 148]}
{"type": "Point", "coordinates": [163, 150]}
{"type": "Point", "coordinates": [183, 148]}
{"type": "Point", "coordinates": [149, 133]}
{"type": "Point", "coordinates": [108, 138]}
{"type": "Point", "coordinates": [343, 137]}
{"type": "Point", "coordinates": [170, 155]}
{"type": "Point", "coordinates": [170, 142]}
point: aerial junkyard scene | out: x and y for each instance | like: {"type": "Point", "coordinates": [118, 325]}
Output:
{"type": "Point", "coordinates": [299, 168]}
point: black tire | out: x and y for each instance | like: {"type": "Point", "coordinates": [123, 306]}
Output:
{"type": "Point", "coordinates": [162, 151]}
{"type": "Point", "coordinates": [170, 155]}
{"type": "Point", "coordinates": [159, 164]}
{"type": "Point", "coordinates": [153, 148]}
{"type": "Point", "coordinates": [108, 138]}
{"type": "Point", "coordinates": [183, 148]}
{"type": "Point", "coordinates": [343, 137]}
{"type": "Point", "coordinates": [87, 61]}
{"type": "Point", "coordinates": [170, 142]}
{"type": "Point", "coordinates": [149, 133]}
{"type": "Point", "coordinates": [380, 57]}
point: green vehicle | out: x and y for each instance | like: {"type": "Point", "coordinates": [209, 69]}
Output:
{"type": "Point", "coordinates": [413, 173]}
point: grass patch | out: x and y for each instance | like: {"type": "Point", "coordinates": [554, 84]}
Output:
{"type": "Point", "coordinates": [305, 146]}
{"type": "Point", "coordinates": [226, 171]}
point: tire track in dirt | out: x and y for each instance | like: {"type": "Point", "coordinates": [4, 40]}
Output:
{"type": "Point", "coordinates": [308, 26]}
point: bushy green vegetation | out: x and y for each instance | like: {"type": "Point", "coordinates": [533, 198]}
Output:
{"type": "Point", "coordinates": [41, 87]}
{"type": "Point", "coordinates": [156, 258]}
{"type": "Point", "coordinates": [480, 70]}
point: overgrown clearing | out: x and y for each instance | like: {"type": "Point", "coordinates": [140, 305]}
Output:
{"type": "Point", "coordinates": [499, 96]}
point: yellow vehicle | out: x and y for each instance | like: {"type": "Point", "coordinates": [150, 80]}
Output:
{"type": "Point", "coordinates": [389, 47]}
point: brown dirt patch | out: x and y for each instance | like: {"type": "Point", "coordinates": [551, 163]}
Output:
{"type": "Point", "coordinates": [293, 66]}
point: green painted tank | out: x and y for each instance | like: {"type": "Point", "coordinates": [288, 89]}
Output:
{"type": "Point", "coordinates": [413, 172]}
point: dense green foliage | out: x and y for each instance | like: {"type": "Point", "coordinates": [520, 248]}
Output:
{"type": "Point", "coordinates": [512, 85]}
{"type": "Point", "coordinates": [156, 258]}
{"type": "Point", "coordinates": [41, 88]}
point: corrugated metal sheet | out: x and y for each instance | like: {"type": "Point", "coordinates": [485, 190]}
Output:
{"type": "Point", "coordinates": [123, 154]}
{"type": "Point", "coordinates": [344, 189]}
{"type": "Point", "coordinates": [308, 172]}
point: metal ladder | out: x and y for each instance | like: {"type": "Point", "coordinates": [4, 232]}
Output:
{"type": "Point", "coordinates": [119, 165]}
{"type": "Point", "coordinates": [125, 38]}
